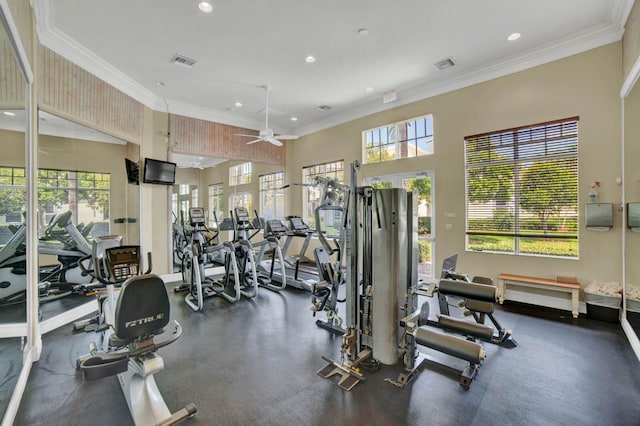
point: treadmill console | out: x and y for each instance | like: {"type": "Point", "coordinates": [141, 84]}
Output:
{"type": "Point", "coordinates": [276, 227]}
{"type": "Point", "coordinates": [298, 226]}
{"type": "Point", "coordinates": [123, 262]}
{"type": "Point", "coordinates": [197, 216]}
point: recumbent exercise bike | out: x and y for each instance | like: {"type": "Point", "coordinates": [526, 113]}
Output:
{"type": "Point", "coordinates": [142, 312]}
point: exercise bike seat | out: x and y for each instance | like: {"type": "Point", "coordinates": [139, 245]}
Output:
{"type": "Point", "coordinates": [142, 310]}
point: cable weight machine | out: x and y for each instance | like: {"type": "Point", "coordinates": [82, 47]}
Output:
{"type": "Point", "coordinates": [383, 322]}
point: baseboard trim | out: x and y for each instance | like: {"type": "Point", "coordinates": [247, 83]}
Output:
{"type": "Point", "coordinates": [631, 336]}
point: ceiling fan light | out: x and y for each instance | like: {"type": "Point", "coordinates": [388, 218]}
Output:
{"type": "Point", "coordinates": [513, 36]}
{"type": "Point", "coordinates": [205, 6]}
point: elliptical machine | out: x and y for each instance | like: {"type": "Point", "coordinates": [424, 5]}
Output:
{"type": "Point", "coordinates": [194, 258]}
{"type": "Point", "coordinates": [245, 256]}
{"type": "Point", "coordinates": [141, 313]}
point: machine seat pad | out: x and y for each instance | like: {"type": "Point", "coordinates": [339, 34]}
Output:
{"type": "Point", "coordinates": [143, 308]}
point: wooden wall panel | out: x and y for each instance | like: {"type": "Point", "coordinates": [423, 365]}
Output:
{"type": "Point", "coordinates": [66, 90]}
{"type": "Point", "coordinates": [200, 137]}
{"type": "Point", "coordinates": [12, 84]}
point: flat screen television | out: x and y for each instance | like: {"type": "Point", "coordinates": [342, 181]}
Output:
{"type": "Point", "coordinates": [133, 171]}
{"type": "Point", "coordinates": [633, 216]}
{"type": "Point", "coordinates": [159, 172]}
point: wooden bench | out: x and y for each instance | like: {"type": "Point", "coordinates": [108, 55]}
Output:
{"type": "Point", "coordinates": [561, 283]}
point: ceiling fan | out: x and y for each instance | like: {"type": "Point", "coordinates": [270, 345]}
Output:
{"type": "Point", "coordinates": [267, 134]}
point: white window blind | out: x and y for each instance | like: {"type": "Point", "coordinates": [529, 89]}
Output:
{"type": "Point", "coordinates": [522, 190]}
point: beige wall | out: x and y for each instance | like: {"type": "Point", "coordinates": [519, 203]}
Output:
{"type": "Point", "coordinates": [154, 199]}
{"type": "Point", "coordinates": [584, 85]}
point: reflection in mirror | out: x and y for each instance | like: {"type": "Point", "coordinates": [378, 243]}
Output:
{"type": "Point", "coordinates": [187, 193]}
{"type": "Point", "coordinates": [632, 195]}
{"type": "Point", "coordinates": [83, 193]}
{"type": "Point", "coordinates": [218, 185]}
{"type": "Point", "coordinates": [12, 208]}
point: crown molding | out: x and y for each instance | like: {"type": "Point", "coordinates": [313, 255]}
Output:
{"type": "Point", "coordinates": [620, 12]}
{"type": "Point", "coordinates": [194, 111]}
{"type": "Point", "coordinates": [586, 40]}
{"type": "Point", "coordinates": [75, 52]}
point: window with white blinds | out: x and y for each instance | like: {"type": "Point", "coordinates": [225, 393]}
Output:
{"type": "Point", "coordinates": [272, 195]}
{"type": "Point", "coordinates": [522, 190]}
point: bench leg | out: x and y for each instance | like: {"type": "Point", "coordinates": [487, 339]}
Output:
{"type": "Point", "coordinates": [574, 303]}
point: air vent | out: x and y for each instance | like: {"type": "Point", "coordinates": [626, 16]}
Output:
{"type": "Point", "coordinates": [183, 61]}
{"type": "Point", "coordinates": [444, 64]}
{"type": "Point", "coordinates": [324, 107]}
{"type": "Point", "coordinates": [390, 96]}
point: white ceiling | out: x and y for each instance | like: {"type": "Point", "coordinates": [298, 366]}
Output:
{"type": "Point", "coordinates": [245, 44]}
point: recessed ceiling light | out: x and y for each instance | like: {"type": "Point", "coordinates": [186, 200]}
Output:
{"type": "Point", "coordinates": [10, 113]}
{"type": "Point", "coordinates": [513, 36]}
{"type": "Point", "coordinates": [310, 59]}
{"type": "Point", "coordinates": [160, 83]}
{"type": "Point", "coordinates": [238, 104]}
{"type": "Point", "coordinates": [362, 32]}
{"type": "Point", "coordinates": [294, 118]}
{"type": "Point", "coordinates": [205, 6]}
{"type": "Point", "coordinates": [369, 89]}
{"type": "Point", "coordinates": [324, 108]}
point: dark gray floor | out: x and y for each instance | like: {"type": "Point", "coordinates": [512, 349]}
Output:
{"type": "Point", "coordinates": [255, 362]}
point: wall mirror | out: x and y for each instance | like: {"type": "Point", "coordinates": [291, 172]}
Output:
{"type": "Point", "coordinates": [191, 190]}
{"type": "Point", "coordinates": [13, 237]}
{"type": "Point", "coordinates": [207, 182]}
{"type": "Point", "coordinates": [84, 193]}
{"type": "Point", "coordinates": [632, 195]}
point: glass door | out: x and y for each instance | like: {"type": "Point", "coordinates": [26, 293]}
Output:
{"type": "Point", "coordinates": [422, 184]}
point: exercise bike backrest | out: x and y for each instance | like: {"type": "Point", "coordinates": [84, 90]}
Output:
{"type": "Point", "coordinates": [143, 309]}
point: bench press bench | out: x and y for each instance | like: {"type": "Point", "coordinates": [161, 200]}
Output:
{"type": "Point", "coordinates": [563, 284]}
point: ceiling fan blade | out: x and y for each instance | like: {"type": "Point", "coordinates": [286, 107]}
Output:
{"type": "Point", "coordinates": [274, 141]}
{"type": "Point", "coordinates": [255, 141]}
{"type": "Point", "coordinates": [242, 134]}
{"type": "Point", "coordinates": [287, 137]}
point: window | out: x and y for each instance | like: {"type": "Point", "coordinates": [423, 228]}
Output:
{"type": "Point", "coordinates": [183, 189]}
{"type": "Point", "coordinates": [522, 190]}
{"type": "Point", "coordinates": [194, 198]}
{"type": "Point", "coordinates": [240, 174]}
{"type": "Point", "coordinates": [86, 194]}
{"type": "Point", "coordinates": [410, 138]}
{"type": "Point", "coordinates": [241, 199]}
{"type": "Point", "coordinates": [311, 195]}
{"type": "Point", "coordinates": [216, 203]}
{"type": "Point", "coordinates": [272, 196]}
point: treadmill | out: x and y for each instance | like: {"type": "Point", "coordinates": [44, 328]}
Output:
{"type": "Point", "coordinates": [302, 272]}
